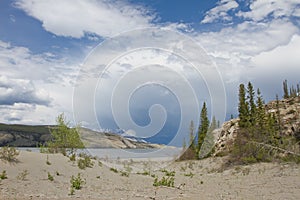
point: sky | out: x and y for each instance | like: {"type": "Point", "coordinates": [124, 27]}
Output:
{"type": "Point", "coordinates": [142, 66]}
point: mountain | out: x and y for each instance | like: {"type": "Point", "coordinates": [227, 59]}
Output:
{"type": "Point", "coordinates": [32, 136]}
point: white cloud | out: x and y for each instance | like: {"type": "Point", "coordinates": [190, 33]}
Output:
{"type": "Point", "coordinates": [284, 57]}
{"type": "Point", "coordinates": [233, 47]}
{"type": "Point", "coordinates": [34, 88]}
{"type": "Point", "coordinates": [262, 9]}
{"type": "Point", "coordinates": [21, 91]}
{"type": "Point", "coordinates": [75, 17]}
{"type": "Point", "coordinates": [220, 12]}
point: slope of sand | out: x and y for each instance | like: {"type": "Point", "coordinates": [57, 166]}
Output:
{"type": "Point", "coordinates": [259, 181]}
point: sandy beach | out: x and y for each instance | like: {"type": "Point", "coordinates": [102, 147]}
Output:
{"type": "Point", "coordinates": [192, 179]}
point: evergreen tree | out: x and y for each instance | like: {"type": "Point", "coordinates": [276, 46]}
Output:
{"type": "Point", "coordinates": [243, 108]}
{"type": "Point", "coordinates": [252, 106]}
{"type": "Point", "coordinates": [192, 135]}
{"type": "Point", "coordinates": [203, 128]}
{"type": "Point", "coordinates": [260, 112]}
{"type": "Point", "coordinates": [184, 144]}
{"type": "Point", "coordinates": [278, 115]}
{"type": "Point", "coordinates": [213, 124]}
{"type": "Point", "coordinates": [285, 90]}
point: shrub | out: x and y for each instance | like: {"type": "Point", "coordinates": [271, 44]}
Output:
{"type": "Point", "coordinates": [85, 161]}
{"type": "Point", "coordinates": [72, 157]}
{"type": "Point", "coordinates": [9, 154]}
{"type": "Point", "coordinates": [50, 177]}
{"type": "Point", "coordinates": [169, 182]}
{"type": "Point", "coordinates": [77, 182]}
{"type": "Point", "coordinates": [3, 175]}
{"type": "Point", "coordinates": [114, 170]}
{"type": "Point", "coordinates": [145, 173]}
{"type": "Point", "coordinates": [23, 175]}
{"type": "Point", "coordinates": [189, 174]}
{"type": "Point", "coordinates": [124, 173]}
{"type": "Point", "coordinates": [47, 161]}
{"type": "Point", "coordinates": [168, 173]}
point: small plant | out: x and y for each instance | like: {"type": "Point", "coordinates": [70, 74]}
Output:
{"type": "Point", "coordinates": [100, 163]}
{"type": "Point", "coordinates": [169, 181]}
{"type": "Point", "coordinates": [189, 174]}
{"type": "Point", "coordinates": [77, 182]}
{"type": "Point", "coordinates": [114, 170]}
{"type": "Point", "coordinates": [50, 177]}
{"type": "Point", "coordinates": [9, 154]}
{"type": "Point", "coordinates": [72, 157]}
{"type": "Point", "coordinates": [72, 191]}
{"type": "Point", "coordinates": [47, 161]}
{"type": "Point", "coordinates": [126, 174]}
{"type": "Point", "coordinates": [145, 173]}
{"type": "Point", "coordinates": [201, 182]}
{"type": "Point", "coordinates": [3, 175]}
{"type": "Point", "coordinates": [43, 148]}
{"type": "Point", "coordinates": [127, 168]}
{"type": "Point", "coordinates": [168, 173]}
{"type": "Point", "coordinates": [85, 161]}
{"type": "Point", "coordinates": [98, 177]}
{"type": "Point", "coordinates": [23, 175]}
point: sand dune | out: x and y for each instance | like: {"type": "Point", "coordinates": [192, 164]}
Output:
{"type": "Point", "coordinates": [193, 180]}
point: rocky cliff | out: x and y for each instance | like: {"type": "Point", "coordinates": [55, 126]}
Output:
{"type": "Point", "coordinates": [290, 124]}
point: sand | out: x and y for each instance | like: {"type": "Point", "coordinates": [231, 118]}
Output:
{"type": "Point", "coordinates": [258, 181]}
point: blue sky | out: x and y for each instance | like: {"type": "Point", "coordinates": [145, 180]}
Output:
{"type": "Point", "coordinates": [45, 47]}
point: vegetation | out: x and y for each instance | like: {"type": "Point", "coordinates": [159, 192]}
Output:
{"type": "Point", "coordinates": [168, 173]}
{"type": "Point", "coordinates": [23, 175]}
{"type": "Point", "coordinates": [260, 137]}
{"type": "Point", "coordinates": [168, 182]}
{"type": "Point", "coordinates": [50, 177]}
{"type": "Point", "coordinates": [76, 183]}
{"type": "Point", "coordinates": [64, 138]}
{"type": "Point", "coordinates": [9, 154]}
{"type": "Point", "coordinates": [47, 161]}
{"type": "Point", "coordinates": [203, 128]}
{"type": "Point", "coordinates": [114, 170]}
{"type": "Point", "coordinates": [85, 161]}
{"type": "Point", "coordinates": [3, 175]}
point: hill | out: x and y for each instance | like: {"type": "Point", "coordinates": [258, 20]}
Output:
{"type": "Point", "coordinates": [18, 135]}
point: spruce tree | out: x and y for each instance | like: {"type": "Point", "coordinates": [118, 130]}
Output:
{"type": "Point", "coordinates": [203, 127]}
{"type": "Point", "coordinates": [192, 135]}
{"type": "Point", "coordinates": [260, 112]}
{"type": "Point", "coordinates": [252, 106]}
{"type": "Point", "coordinates": [285, 90]}
{"type": "Point", "coordinates": [243, 108]}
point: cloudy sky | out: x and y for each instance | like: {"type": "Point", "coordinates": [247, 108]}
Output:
{"type": "Point", "coordinates": [49, 47]}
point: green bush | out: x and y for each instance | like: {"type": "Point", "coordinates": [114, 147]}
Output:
{"type": "Point", "coordinates": [47, 161]}
{"type": "Point", "coordinates": [168, 173]}
{"type": "Point", "coordinates": [189, 174]}
{"type": "Point", "coordinates": [77, 182]}
{"type": "Point", "coordinates": [23, 175]}
{"type": "Point", "coordinates": [126, 174]}
{"type": "Point", "coordinates": [168, 182]}
{"type": "Point", "coordinates": [50, 177]}
{"type": "Point", "coordinates": [3, 175]}
{"type": "Point", "coordinates": [85, 161]}
{"type": "Point", "coordinates": [9, 154]}
{"type": "Point", "coordinates": [72, 157]}
{"type": "Point", "coordinates": [114, 170]}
